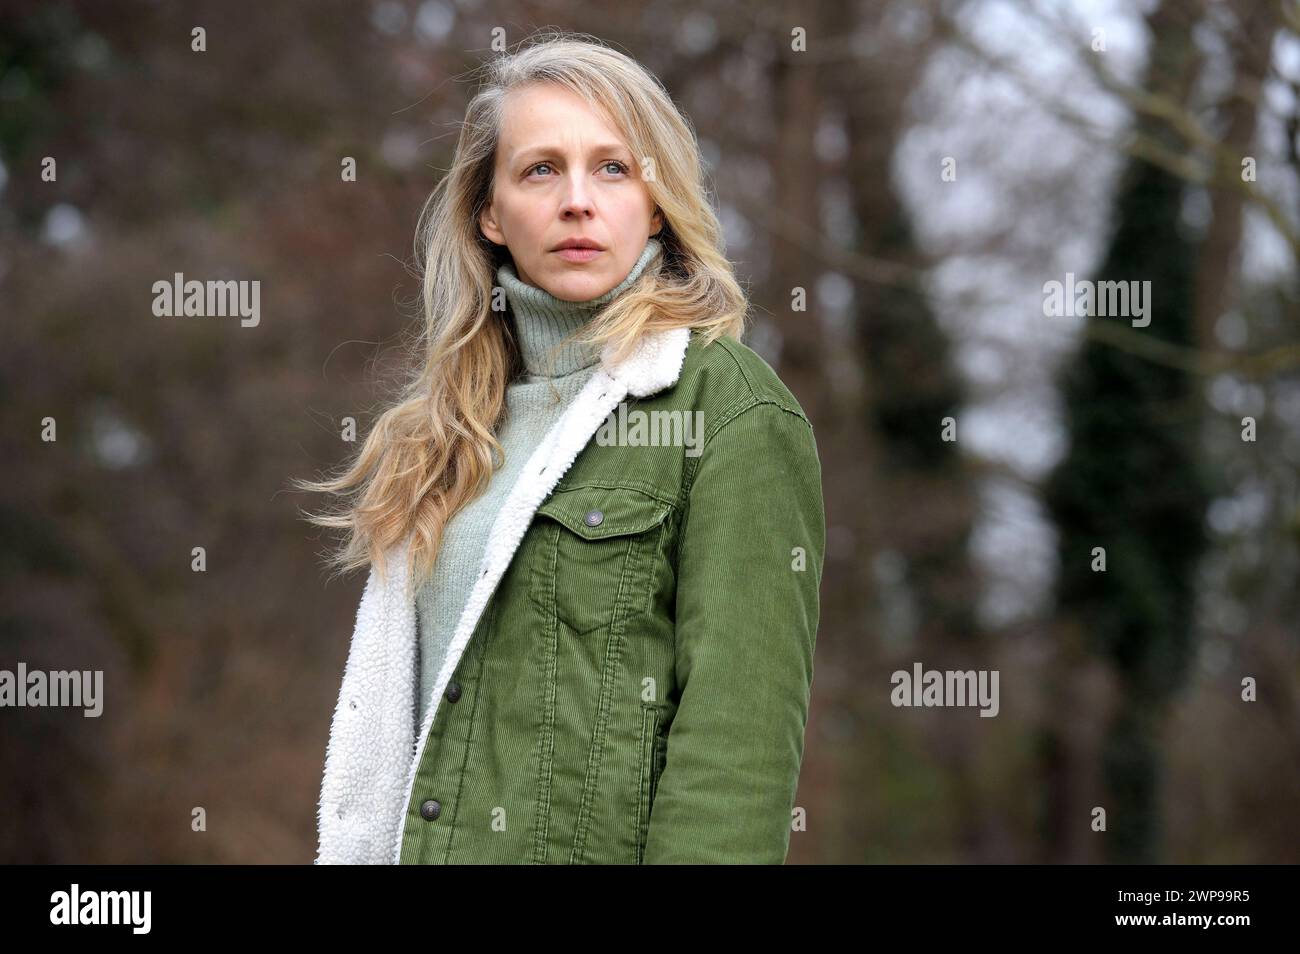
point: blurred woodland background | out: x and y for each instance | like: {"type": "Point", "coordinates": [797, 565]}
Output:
{"type": "Point", "coordinates": [921, 169]}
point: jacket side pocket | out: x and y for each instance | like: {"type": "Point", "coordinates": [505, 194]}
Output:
{"type": "Point", "coordinates": [652, 759]}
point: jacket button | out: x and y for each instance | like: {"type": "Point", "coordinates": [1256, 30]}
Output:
{"type": "Point", "coordinates": [430, 810]}
{"type": "Point", "coordinates": [594, 517]}
{"type": "Point", "coordinates": [453, 691]}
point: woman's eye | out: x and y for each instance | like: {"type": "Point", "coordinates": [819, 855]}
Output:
{"type": "Point", "coordinates": [618, 167]}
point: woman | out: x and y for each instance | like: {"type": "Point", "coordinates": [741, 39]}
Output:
{"type": "Point", "coordinates": [593, 523]}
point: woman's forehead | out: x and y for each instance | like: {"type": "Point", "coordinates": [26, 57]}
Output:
{"type": "Point", "coordinates": [552, 117]}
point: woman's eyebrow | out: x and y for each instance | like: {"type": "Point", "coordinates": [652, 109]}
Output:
{"type": "Point", "coordinates": [549, 150]}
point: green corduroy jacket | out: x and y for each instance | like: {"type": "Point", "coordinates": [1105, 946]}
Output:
{"type": "Point", "coordinates": [629, 681]}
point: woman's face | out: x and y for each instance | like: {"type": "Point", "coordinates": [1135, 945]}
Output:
{"type": "Point", "coordinates": [562, 172]}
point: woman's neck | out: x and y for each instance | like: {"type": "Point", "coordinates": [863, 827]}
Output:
{"type": "Point", "coordinates": [542, 321]}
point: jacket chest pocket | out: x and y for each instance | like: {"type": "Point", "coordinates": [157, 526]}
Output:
{"type": "Point", "coordinates": [597, 548]}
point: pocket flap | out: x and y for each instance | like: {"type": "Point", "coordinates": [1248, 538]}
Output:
{"type": "Point", "coordinates": [614, 511]}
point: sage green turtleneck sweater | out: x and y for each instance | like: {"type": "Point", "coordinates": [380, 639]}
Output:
{"type": "Point", "coordinates": [534, 401]}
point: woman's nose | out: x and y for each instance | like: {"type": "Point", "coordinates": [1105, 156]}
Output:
{"type": "Point", "coordinates": [577, 197]}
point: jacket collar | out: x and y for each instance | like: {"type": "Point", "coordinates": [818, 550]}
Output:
{"type": "Point", "coordinates": [369, 769]}
{"type": "Point", "coordinates": [653, 365]}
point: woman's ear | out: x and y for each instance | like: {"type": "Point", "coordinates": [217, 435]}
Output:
{"type": "Point", "coordinates": [487, 224]}
{"type": "Point", "coordinates": [656, 222]}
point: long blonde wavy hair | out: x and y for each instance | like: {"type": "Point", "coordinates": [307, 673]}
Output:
{"type": "Point", "coordinates": [431, 452]}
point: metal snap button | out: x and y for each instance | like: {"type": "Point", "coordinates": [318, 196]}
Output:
{"type": "Point", "coordinates": [430, 810]}
{"type": "Point", "coordinates": [594, 518]}
{"type": "Point", "coordinates": [453, 692]}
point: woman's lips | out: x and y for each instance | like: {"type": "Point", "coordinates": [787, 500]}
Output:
{"type": "Point", "coordinates": [578, 255]}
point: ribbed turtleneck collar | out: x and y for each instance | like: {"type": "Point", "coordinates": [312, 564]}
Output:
{"type": "Point", "coordinates": [542, 321]}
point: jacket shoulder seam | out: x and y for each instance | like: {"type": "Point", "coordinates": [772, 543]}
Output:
{"type": "Point", "coordinates": [755, 394]}
{"type": "Point", "coordinates": [749, 382]}
{"type": "Point", "coordinates": [734, 412]}
{"type": "Point", "coordinates": [741, 407]}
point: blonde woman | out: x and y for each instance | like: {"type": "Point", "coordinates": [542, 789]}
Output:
{"type": "Point", "coordinates": [593, 523]}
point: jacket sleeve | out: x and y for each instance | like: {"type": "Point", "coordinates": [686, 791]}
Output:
{"type": "Point", "coordinates": [746, 622]}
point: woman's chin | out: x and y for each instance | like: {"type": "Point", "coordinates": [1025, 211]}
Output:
{"type": "Point", "coordinates": [576, 287]}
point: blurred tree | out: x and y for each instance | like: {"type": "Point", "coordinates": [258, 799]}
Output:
{"type": "Point", "coordinates": [903, 588]}
{"type": "Point", "coordinates": [1132, 484]}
